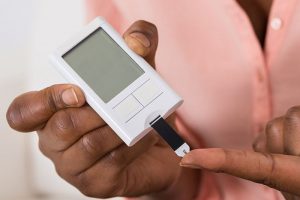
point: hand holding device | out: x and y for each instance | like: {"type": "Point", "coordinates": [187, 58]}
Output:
{"type": "Point", "coordinates": [118, 84]}
{"type": "Point", "coordinates": [88, 154]}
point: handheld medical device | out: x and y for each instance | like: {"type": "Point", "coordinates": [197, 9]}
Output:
{"type": "Point", "coordinates": [118, 84]}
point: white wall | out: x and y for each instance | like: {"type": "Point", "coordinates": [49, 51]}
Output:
{"type": "Point", "coordinates": [29, 31]}
{"type": "Point", "coordinates": [14, 33]}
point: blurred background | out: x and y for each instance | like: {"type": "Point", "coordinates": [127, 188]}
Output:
{"type": "Point", "coordinates": [29, 31]}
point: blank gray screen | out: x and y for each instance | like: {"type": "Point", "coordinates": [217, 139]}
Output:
{"type": "Point", "coordinates": [103, 65]}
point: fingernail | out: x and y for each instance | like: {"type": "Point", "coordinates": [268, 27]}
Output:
{"type": "Point", "coordinates": [190, 165]}
{"type": "Point", "coordinates": [69, 97]}
{"type": "Point", "coordinates": [141, 38]}
{"type": "Point", "coordinates": [189, 162]}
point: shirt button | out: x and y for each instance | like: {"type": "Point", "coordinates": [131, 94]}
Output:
{"type": "Point", "coordinates": [276, 23]}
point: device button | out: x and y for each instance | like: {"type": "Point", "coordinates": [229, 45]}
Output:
{"type": "Point", "coordinates": [128, 108]}
{"type": "Point", "coordinates": [147, 93]}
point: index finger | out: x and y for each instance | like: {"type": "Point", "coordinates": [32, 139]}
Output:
{"type": "Point", "coordinates": [278, 171]}
{"type": "Point", "coordinates": [31, 110]}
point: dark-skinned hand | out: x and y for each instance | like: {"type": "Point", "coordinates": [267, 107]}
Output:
{"type": "Point", "coordinates": [85, 150]}
{"type": "Point", "coordinates": [275, 161]}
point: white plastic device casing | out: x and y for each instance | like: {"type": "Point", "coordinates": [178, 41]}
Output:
{"type": "Point", "coordinates": [137, 125]}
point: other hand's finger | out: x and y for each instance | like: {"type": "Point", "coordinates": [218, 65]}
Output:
{"type": "Point", "coordinates": [278, 171]}
{"type": "Point", "coordinates": [260, 143]}
{"type": "Point", "coordinates": [291, 131]}
{"type": "Point", "coordinates": [272, 140]}
{"type": "Point", "coordinates": [274, 136]}
{"type": "Point", "coordinates": [30, 111]}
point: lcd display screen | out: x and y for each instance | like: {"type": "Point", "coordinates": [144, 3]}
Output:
{"type": "Point", "coordinates": [103, 65]}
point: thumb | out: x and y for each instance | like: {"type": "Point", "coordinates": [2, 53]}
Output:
{"type": "Point", "coordinates": [278, 171]}
{"type": "Point", "coordinates": [142, 38]}
{"type": "Point", "coordinates": [30, 111]}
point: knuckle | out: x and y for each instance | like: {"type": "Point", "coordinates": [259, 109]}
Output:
{"type": "Point", "coordinates": [271, 127]}
{"type": "Point", "coordinates": [259, 142]}
{"type": "Point", "coordinates": [293, 113]}
{"type": "Point", "coordinates": [53, 156]}
{"type": "Point", "coordinates": [52, 99]}
{"type": "Point", "coordinates": [114, 189]}
{"type": "Point", "coordinates": [269, 178]}
{"type": "Point", "coordinates": [274, 132]}
{"type": "Point", "coordinates": [227, 159]}
{"type": "Point", "coordinates": [116, 157]}
{"type": "Point", "coordinates": [89, 145]}
{"type": "Point", "coordinates": [108, 187]}
{"type": "Point", "coordinates": [43, 148]}
{"type": "Point", "coordinates": [256, 146]}
{"type": "Point", "coordinates": [63, 122]}
{"type": "Point", "coordinates": [111, 189]}
{"type": "Point", "coordinates": [95, 142]}
{"type": "Point", "coordinates": [64, 172]}
{"type": "Point", "coordinates": [60, 171]}
{"type": "Point", "coordinates": [83, 183]}
{"type": "Point", "coordinates": [63, 169]}
{"type": "Point", "coordinates": [86, 191]}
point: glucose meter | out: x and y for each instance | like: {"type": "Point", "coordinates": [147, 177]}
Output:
{"type": "Point", "coordinates": [119, 85]}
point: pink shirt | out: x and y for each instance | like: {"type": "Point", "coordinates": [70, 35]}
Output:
{"type": "Point", "coordinates": [209, 53]}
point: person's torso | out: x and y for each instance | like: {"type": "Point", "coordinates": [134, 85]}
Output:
{"type": "Point", "coordinates": [209, 53]}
